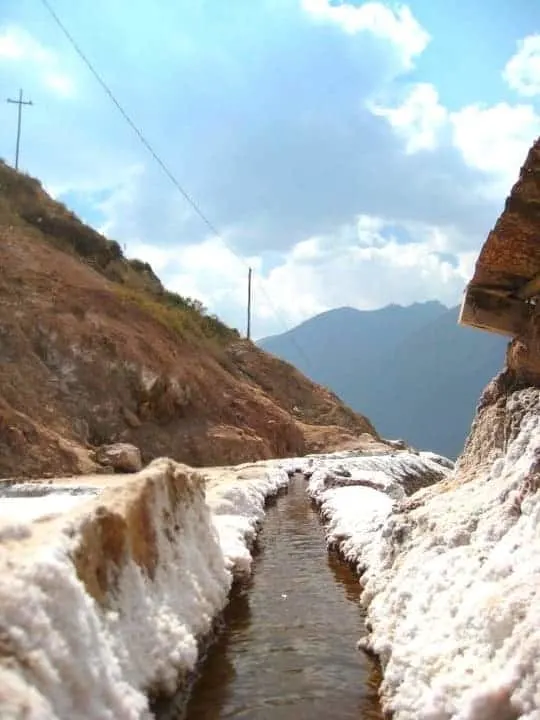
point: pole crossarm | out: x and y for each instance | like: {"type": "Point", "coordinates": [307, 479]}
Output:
{"type": "Point", "coordinates": [19, 102]}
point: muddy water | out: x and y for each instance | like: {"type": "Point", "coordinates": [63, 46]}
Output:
{"type": "Point", "coordinates": [287, 651]}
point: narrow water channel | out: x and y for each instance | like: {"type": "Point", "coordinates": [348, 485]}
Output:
{"type": "Point", "coordinates": [288, 648]}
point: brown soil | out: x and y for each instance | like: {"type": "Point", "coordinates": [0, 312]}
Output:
{"type": "Point", "coordinates": [93, 350]}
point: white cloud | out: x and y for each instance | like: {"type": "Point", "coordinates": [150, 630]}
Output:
{"type": "Point", "coordinates": [363, 265]}
{"type": "Point", "coordinates": [60, 83]}
{"type": "Point", "coordinates": [308, 250]}
{"type": "Point", "coordinates": [215, 269]}
{"type": "Point", "coordinates": [369, 229]}
{"type": "Point", "coordinates": [495, 140]}
{"type": "Point", "coordinates": [368, 271]}
{"type": "Point", "coordinates": [522, 72]}
{"type": "Point", "coordinates": [419, 119]}
{"type": "Point", "coordinates": [492, 139]}
{"type": "Point", "coordinates": [160, 258]}
{"type": "Point", "coordinates": [398, 26]}
{"type": "Point", "coordinates": [353, 206]}
{"type": "Point", "coordinates": [209, 271]}
{"type": "Point", "coordinates": [118, 207]}
{"type": "Point", "coordinates": [18, 46]}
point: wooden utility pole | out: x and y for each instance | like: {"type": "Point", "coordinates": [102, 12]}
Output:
{"type": "Point", "coordinates": [249, 306]}
{"type": "Point", "coordinates": [20, 102]}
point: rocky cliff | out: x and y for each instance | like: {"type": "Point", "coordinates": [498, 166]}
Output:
{"type": "Point", "coordinates": [503, 293]}
{"type": "Point", "coordinates": [508, 268]}
{"type": "Point", "coordinates": [93, 350]}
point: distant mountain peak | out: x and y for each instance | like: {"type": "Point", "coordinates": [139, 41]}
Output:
{"type": "Point", "coordinates": [410, 368]}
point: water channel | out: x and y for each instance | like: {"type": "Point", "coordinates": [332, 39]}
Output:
{"type": "Point", "coordinates": [287, 650]}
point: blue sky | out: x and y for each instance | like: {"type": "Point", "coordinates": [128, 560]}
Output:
{"type": "Point", "coordinates": [352, 153]}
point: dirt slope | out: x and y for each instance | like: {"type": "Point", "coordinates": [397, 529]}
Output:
{"type": "Point", "coordinates": [93, 350]}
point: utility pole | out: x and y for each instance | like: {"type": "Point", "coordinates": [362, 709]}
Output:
{"type": "Point", "coordinates": [249, 306]}
{"type": "Point", "coordinates": [20, 102]}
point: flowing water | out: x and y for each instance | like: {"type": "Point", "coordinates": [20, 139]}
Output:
{"type": "Point", "coordinates": [288, 647]}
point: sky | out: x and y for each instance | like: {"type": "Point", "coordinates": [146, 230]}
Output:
{"type": "Point", "coordinates": [351, 153]}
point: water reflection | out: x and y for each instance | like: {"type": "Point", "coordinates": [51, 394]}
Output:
{"type": "Point", "coordinates": [342, 575]}
{"type": "Point", "coordinates": [288, 649]}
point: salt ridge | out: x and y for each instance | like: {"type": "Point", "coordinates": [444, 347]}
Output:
{"type": "Point", "coordinates": [72, 658]}
{"type": "Point", "coordinates": [451, 587]}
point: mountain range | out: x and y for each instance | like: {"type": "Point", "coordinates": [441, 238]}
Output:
{"type": "Point", "coordinates": [413, 370]}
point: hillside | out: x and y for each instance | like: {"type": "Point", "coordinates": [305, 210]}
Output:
{"type": "Point", "coordinates": [93, 350]}
{"type": "Point", "coordinates": [413, 370]}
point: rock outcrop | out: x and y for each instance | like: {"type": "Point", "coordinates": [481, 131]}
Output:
{"type": "Point", "coordinates": [503, 293]}
{"type": "Point", "coordinates": [509, 267]}
{"type": "Point", "coordinates": [511, 254]}
{"type": "Point", "coordinates": [121, 457]}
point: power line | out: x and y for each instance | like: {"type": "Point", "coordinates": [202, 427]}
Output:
{"type": "Point", "coordinates": [128, 119]}
{"type": "Point", "coordinates": [168, 172]}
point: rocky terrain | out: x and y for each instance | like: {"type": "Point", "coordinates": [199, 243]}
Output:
{"type": "Point", "coordinates": [94, 351]}
{"type": "Point", "coordinates": [509, 259]}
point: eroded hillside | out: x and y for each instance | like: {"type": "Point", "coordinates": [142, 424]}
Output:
{"type": "Point", "coordinates": [94, 350]}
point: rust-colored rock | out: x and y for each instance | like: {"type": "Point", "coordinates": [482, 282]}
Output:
{"type": "Point", "coordinates": [523, 354]}
{"type": "Point", "coordinates": [504, 292]}
{"type": "Point", "coordinates": [511, 253]}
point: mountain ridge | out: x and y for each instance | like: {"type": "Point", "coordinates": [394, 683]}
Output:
{"type": "Point", "coordinates": [401, 364]}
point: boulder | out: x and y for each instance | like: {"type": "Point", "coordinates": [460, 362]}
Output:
{"type": "Point", "coordinates": [397, 444]}
{"type": "Point", "coordinates": [122, 457]}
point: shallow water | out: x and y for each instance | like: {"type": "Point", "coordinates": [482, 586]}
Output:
{"type": "Point", "coordinates": [287, 650]}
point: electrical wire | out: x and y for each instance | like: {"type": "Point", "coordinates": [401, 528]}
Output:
{"type": "Point", "coordinates": [162, 164]}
